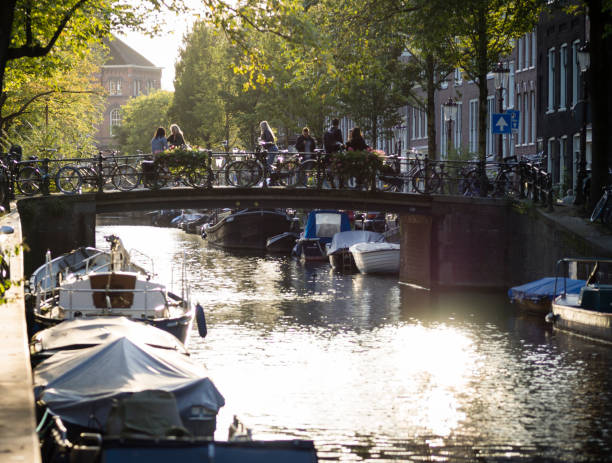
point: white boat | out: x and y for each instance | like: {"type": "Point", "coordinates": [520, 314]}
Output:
{"type": "Point", "coordinates": [106, 284]}
{"type": "Point", "coordinates": [340, 258]}
{"type": "Point", "coordinates": [376, 257]}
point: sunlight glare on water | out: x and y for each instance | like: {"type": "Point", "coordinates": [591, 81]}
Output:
{"type": "Point", "coordinates": [373, 371]}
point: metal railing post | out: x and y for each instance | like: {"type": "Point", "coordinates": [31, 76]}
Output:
{"type": "Point", "coordinates": [45, 177]}
{"type": "Point", "coordinates": [209, 169]}
{"type": "Point", "coordinates": [100, 177]}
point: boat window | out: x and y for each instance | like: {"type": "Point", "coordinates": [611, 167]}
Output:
{"type": "Point", "coordinates": [328, 225]}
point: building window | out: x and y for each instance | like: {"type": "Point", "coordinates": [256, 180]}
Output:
{"type": "Point", "coordinates": [526, 63]}
{"type": "Point", "coordinates": [551, 80]}
{"type": "Point", "coordinates": [115, 120]}
{"type": "Point", "coordinates": [444, 132]}
{"type": "Point", "coordinates": [533, 118]}
{"type": "Point", "coordinates": [519, 52]}
{"type": "Point", "coordinates": [458, 76]}
{"type": "Point", "coordinates": [414, 119]}
{"type": "Point", "coordinates": [511, 85]}
{"type": "Point", "coordinates": [562, 76]}
{"type": "Point", "coordinates": [150, 86]}
{"type": "Point", "coordinates": [575, 73]}
{"type": "Point", "coordinates": [490, 111]}
{"type": "Point", "coordinates": [457, 126]}
{"type": "Point", "coordinates": [114, 86]}
{"type": "Point", "coordinates": [137, 87]}
{"type": "Point", "coordinates": [533, 49]}
{"type": "Point", "coordinates": [473, 126]}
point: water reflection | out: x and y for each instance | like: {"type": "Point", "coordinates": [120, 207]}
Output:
{"type": "Point", "coordinates": [373, 370]}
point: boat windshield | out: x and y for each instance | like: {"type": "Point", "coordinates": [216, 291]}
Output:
{"type": "Point", "coordinates": [328, 225]}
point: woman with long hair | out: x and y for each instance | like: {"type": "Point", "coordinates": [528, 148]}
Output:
{"type": "Point", "coordinates": [356, 141]}
{"type": "Point", "coordinates": [176, 136]}
{"type": "Point", "coordinates": [159, 142]}
{"type": "Point", "coordinates": [268, 141]}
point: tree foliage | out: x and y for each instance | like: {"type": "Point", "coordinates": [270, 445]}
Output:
{"type": "Point", "coordinates": [140, 118]}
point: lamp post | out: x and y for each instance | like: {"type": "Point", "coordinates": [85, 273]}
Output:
{"type": "Point", "coordinates": [584, 61]}
{"type": "Point", "coordinates": [501, 74]}
{"type": "Point", "coordinates": [450, 114]}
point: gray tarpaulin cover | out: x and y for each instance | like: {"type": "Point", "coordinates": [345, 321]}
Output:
{"type": "Point", "coordinates": [81, 385]}
{"type": "Point", "coordinates": [91, 332]}
{"type": "Point", "coordinates": [346, 239]}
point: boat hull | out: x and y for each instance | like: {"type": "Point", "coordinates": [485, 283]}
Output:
{"type": "Point", "coordinates": [310, 250]}
{"type": "Point", "coordinates": [247, 230]}
{"type": "Point", "coordinates": [343, 261]}
{"type": "Point", "coordinates": [590, 323]}
{"type": "Point", "coordinates": [283, 243]}
{"type": "Point", "coordinates": [377, 261]}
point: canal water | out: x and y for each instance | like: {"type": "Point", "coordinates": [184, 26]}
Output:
{"type": "Point", "coordinates": [374, 371]}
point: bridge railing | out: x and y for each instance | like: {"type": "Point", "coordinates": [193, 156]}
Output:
{"type": "Point", "coordinates": [413, 174]}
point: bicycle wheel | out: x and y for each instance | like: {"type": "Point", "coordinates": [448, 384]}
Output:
{"type": "Point", "coordinates": [599, 207]}
{"type": "Point", "coordinates": [422, 186]}
{"type": "Point", "coordinates": [158, 178]}
{"type": "Point", "coordinates": [287, 174]}
{"type": "Point", "coordinates": [470, 184]}
{"type": "Point", "coordinates": [197, 177]}
{"type": "Point", "coordinates": [125, 177]}
{"type": "Point", "coordinates": [243, 173]}
{"type": "Point", "coordinates": [29, 181]}
{"type": "Point", "coordinates": [307, 174]}
{"type": "Point", "coordinates": [68, 180]}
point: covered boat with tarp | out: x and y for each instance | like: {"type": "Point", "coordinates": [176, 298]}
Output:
{"type": "Point", "coordinates": [340, 257]}
{"type": "Point", "coordinates": [321, 226]}
{"type": "Point", "coordinates": [536, 296]}
{"type": "Point", "coordinates": [84, 386]}
{"type": "Point", "coordinates": [84, 333]}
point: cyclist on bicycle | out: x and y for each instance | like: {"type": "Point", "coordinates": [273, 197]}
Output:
{"type": "Point", "coordinates": [306, 144]}
{"type": "Point", "coordinates": [268, 141]}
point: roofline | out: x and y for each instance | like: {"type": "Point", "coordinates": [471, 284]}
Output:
{"type": "Point", "coordinates": [130, 66]}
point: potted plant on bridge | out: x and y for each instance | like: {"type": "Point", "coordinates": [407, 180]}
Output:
{"type": "Point", "coordinates": [356, 169]}
{"type": "Point", "coordinates": [190, 165]}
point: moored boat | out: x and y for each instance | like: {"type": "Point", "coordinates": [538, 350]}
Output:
{"type": "Point", "coordinates": [376, 257]}
{"type": "Point", "coordinates": [321, 226]}
{"type": "Point", "coordinates": [340, 257]}
{"type": "Point", "coordinates": [589, 312]}
{"type": "Point", "coordinates": [536, 296]}
{"type": "Point", "coordinates": [247, 229]}
{"type": "Point", "coordinates": [282, 243]}
{"type": "Point", "coordinates": [116, 288]}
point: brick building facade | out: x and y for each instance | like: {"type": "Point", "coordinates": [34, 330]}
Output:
{"type": "Point", "coordinates": [126, 74]}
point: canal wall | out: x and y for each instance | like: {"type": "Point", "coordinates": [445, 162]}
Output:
{"type": "Point", "coordinates": [18, 439]}
{"type": "Point", "coordinates": [493, 244]}
{"type": "Point", "coordinates": [55, 223]}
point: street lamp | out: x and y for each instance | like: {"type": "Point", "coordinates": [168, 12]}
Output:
{"type": "Point", "coordinates": [502, 74]}
{"type": "Point", "coordinates": [584, 61]}
{"type": "Point", "coordinates": [450, 114]}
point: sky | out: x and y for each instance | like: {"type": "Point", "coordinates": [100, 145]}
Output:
{"type": "Point", "coordinates": [163, 50]}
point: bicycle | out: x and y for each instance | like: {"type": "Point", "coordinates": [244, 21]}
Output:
{"type": "Point", "coordinates": [506, 182]}
{"type": "Point", "coordinates": [316, 172]}
{"type": "Point", "coordinates": [98, 174]}
{"type": "Point", "coordinates": [603, 208]}
{"type": "Point", "coordinates": [159, 171]}
{"type": "Point", "coordinates": [250, 171]}
{"type": "Point", "coordinates": [32, 179]}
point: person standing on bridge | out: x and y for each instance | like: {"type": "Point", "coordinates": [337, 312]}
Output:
{"type": "Point", "coordinates": [332, 138]}
{"type": "Point", "coordinates": [306, 144]}
{"type": "Point", "coordinates": [159, 143]}
{"type": "Point", "coordinates": [268, 141]}
{"type": "Point", "coordinates": [356, 141]}
{"type": "Point", "coordinates": [176, 136]}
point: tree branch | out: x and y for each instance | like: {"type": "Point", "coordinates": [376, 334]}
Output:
{"type": "Point", "coordinates": [31, 50]}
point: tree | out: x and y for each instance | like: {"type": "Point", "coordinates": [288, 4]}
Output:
{"type": "Point", "coordinates": [140, 117]}
{"type": "Point", "coordinates": [57, 108]}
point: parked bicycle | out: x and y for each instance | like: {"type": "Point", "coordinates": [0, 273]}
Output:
{"type": "Point", "coordinates": [97, 174]}
{"type": "Point", "coordinates": [32, 176]}
{"type": "Point", "coordinates": [316, 172]}
{"type": "Point", "coordinates": [603, 208]}
{"type": "Point", "coordinates": [254, 169]}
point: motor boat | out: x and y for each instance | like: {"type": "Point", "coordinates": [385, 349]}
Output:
{"type": "Point", "coordinates": [536, 296]}
{"type": "Point", "coordinates": [589, 311]}
{"type": "Point", "coordinates": [321, 226]}
{"type": "Point", "coordinates": [246, 229]}
{"type": "Point", "coordinates": [106, 284]}
{"type": "Point", "coordinates": [378, 257]}
{"type": "Point", "coordinates": [340, 257]}
{"type": "Point", "coordinates": [282, 243]}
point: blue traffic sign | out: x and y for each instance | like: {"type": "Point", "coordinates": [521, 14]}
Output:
{"type": "Point", "coordinates": [515, 117]}
{"type": "Point", "coordinates": [500, 123]}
